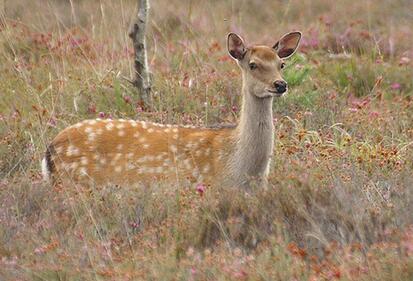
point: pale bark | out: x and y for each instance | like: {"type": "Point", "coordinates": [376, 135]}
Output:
{"type": "Point", "coordinates": [142, 79]}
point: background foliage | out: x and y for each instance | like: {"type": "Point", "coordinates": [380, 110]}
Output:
{"type": "Point", "coordinates": [340, 200]}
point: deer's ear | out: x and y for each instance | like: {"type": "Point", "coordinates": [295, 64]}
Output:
{"type": "Point", "coordinates": [288, 44]}
{"type": "Point", "coordinates": [236, 46]}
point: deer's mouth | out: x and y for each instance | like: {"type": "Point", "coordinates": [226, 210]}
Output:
{"type": "Point", "coordinates": [275, 93]}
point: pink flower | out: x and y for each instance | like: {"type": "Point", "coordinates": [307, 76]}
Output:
{"type": "Point", "coordinates": [102, 114]}
{"type": "Point", "coordinates": [200, 188]}
{"type": "Point", "coordinates": [240, 274]}
{"type": "Point", "coordinates": [127, 99]}
{"type": "Point", "coordinates": [52, 122]}
{"type": "Point", "coordinates": [139, 108]}
{"type": "Point", "coordinates": [134, 225]}
{"type": "Point", "coordinates": [374, 114]}
{"type": "Point", "coordinates": [395, 86]}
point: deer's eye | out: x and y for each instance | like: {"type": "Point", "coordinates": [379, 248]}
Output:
{"type": "Point", "coordinates": [282, 65]}
{"type": "Point", "coordinates": [253, 65]}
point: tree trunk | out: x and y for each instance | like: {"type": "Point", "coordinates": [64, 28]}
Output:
{"type": "Point", "coordinates": [142, 79]}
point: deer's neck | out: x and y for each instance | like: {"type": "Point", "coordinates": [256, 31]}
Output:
{"type": "Point", "coordinates": [254, 138]}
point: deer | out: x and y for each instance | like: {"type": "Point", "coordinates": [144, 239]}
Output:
{"type": "Point", "coordinates": [103, 151]}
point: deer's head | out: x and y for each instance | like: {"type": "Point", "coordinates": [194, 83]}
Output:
{"type": "Point", "coordinates": [261, 66]}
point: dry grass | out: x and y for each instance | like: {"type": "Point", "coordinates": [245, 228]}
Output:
{"type": "Point", "coordinates": [340, 201]}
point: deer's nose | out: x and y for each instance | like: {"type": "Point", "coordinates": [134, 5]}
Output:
{"type": "Point", "coordinates": [280, 86]}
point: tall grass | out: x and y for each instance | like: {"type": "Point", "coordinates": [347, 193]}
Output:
{"type": "Point", "coordinates": [339, 202]}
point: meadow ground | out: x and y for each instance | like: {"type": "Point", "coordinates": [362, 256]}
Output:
{"type": "Point", "coordinates": [340, 201]}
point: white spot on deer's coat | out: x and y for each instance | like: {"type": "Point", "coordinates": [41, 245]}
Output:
{"type": "Point", "coordinates": [120, 126]}
{"type": "Point", "coordinates": [88, 130]}
{"type": "Point", "coordinates": [173, 148]}
{"type": "Point", "coordinates": [102, 161]}
{"type": "Point", "coordinates": [83, 171]}
{"type": "Point", "coordinates": [190, 145]}
{"type": "Point", "coordinates": [144, 125]}
{"type": "Point", "coordinates": [91, 137]}
{"type": "Point", "coordinates": [175, 130]}
{"type": "Point", "coordinates": [91, 122]}
{"type": "Point", "coordinates": [206, 168]}
{"type": "Point", "coordinates": [145, 146]}
{"type": "Point", "coordinates": [83, 160]}
{"type": "Point", "coordinates": [119, 146]}
{"type": "Point", "coordinates": [142, 140]}
{"type": "Point", "coordinates": [109, 126]}
{"type": "Point", "coordinates": [99, 131]}
{"type": "Point", "coordinates": [142, 159]}
{"type": "Point", "coordinates": [121, 133]}
{"type": "Point", "coordinates": [133, 123]}
{"type": "Point", "coordinates": [136, 134]}
{"type": "Point", "coordinates": [150, 130]}
{"type": "Point", "coordinates": [130, 155]}
{"type": "Point", "coordinates": [118, 169]}
{"type": "Point", "coordinates": [72, 151]}
{"type": "Point", "coordinates": [78, 125]}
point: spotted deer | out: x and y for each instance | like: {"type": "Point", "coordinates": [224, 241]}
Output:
{"type": "Point", "coordinates": [128, 151]}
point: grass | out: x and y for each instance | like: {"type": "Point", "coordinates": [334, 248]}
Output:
{"type": "Point", "coordinates": [340, 198]}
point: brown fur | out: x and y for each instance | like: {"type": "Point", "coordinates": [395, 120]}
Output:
{"type": "Point", "coordinates": [140, 153]}
{"type": "Point", "coordinates": [263, 52]}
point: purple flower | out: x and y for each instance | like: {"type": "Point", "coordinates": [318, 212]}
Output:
{"type": "Point", "coordinates": [52, 122]}
{"type": "Point", "coordinates": [200, 188]}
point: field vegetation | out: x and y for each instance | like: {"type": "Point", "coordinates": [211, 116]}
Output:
{"type": "Point", "coordinates": [339, 205]}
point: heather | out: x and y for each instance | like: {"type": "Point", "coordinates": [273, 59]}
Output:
{"type": "Point", "coordinates": [339, 203]}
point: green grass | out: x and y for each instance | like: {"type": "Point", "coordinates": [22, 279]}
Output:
{"type": "Point", "coordinates": [340, 198]}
